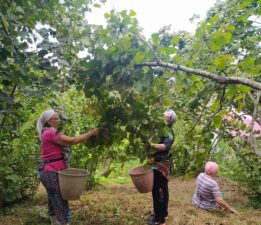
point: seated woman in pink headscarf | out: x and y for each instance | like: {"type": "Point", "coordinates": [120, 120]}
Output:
{"type": "Point", "coordinates": [207, 195]}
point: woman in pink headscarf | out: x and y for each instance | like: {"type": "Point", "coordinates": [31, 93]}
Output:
{"type": "Point", "coordinates": [207, 195]}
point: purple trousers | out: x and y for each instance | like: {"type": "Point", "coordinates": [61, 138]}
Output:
{"type": "Point", "coordinates": [56, 205]}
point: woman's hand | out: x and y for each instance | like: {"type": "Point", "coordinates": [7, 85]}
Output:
{"type": "Point", "coordinates": [225, 205]}
{"type": "Point", "coordinates": [234, 211]}
{"type": "Point", "coordinates": [95, 131]}
{"type": "Point", "coordinates": [158, 147]}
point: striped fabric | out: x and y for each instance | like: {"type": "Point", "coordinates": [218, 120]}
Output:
{"type": "Point", "coordinates": [206, 191]}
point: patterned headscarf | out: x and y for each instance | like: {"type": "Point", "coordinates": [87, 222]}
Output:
{"type": "Point", "coordinates": [171, 116]}
{"type": "Point", "coordinates": [43, 119]}
{"type": "Point", "coordinates": [211, 168]}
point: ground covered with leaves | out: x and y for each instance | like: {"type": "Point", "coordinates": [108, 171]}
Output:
{"type": "Point", "coordinates": [121, 204]}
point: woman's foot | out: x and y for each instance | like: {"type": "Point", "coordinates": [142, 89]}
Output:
{"type": "Point", "coordinates": [155, 223]}
{"type": "Point", "coordinates": [152, 217]}
{"type": "Point", "coordinates": [54, 220]}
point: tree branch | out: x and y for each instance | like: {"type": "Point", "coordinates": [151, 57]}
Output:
{"type": "Point", "coordinates": [221, 80]}
{"type": "Point", "coordinates": [198, 118]}
{"type": "Point", "coordinates": [220, 104]}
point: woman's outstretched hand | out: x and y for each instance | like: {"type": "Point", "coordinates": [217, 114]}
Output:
{"type": "Point", "coordinates": [95, 131]}
{"type": "Point", "coordinates": [234, 211]}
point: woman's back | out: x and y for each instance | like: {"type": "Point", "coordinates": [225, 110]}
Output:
{"type": "Point", "coordinates": [206, 191]}
{"type": "Point", "coordinates": [51, 150]}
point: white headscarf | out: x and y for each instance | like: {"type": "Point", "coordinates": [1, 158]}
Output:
{"type": "Point", "coordinates": [45, 116]}
{"type": "Point", "coordinates": [171, 115]}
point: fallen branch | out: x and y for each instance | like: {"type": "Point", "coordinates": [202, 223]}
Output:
{"type": "Point", "coordinates": [221, 80]}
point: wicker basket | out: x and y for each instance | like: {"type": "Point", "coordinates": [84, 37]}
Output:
{"type": "Point", "coordinates": [72, 182]}
{"type": "Point", "coordinates": [142, 178]}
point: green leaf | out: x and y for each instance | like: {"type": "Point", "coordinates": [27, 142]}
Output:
{"type": "Point", "coordinates": [126, 43]}
{"type": "Point", "coordinates": [132, 13]}
{"type": "Point", "coordinates": [199, 84]}
{"type": "Point", "coordinates": [123, 13]}
{"type": "Point", "coordinates": [230, 28]}
{"type": "Point", "coordinates": [171, 50]}
{"type": "Point", "coordinates": [228, 37]}
{"type": "Point", "coordinates": [175, 40]}
{"type": "Point", "coordinates": [247, 62]}
{"type": "Point", "coordinates": [145, 121]}
{"type": "Point", "coordinates": [243, 19]}
{"type": "Point", "coordinates": [155, 39]}
{"type": "Point", "coordinates": [12, 177]}
{"type": "Point", "coordinates": [245, 4]}
{"type": "Point", "coordinates": [231, 90]}
{"type": "Point", "coordinates": [78, 3]}
{"type": "Point", "coordinates": [222, 61]}
{"type": "Point", "coordinates": [178, 58]}
{"type": "Point", "coordinates": [139, 57]}
{"type": "Point", "coordinates": [97, 5]}
{"type": "Point", "coordinates": [218, 39]}
{"type": "Point", "coordinates": [86, 41]}
{"type": "Point", "coordinates": [215, 106]}
{"type": "Point", "coordinates": [244, 89]}
{"type": "Point", "coordinates": [106, 15]}
{"type": "Point", "coordinates": [217, 121]}
{"type": "Point", "coordinates": [186, 147]}
{"type": "Point", "coordinates": [15, 80]}
{"type": "Point", "coordinates": [5, 23]}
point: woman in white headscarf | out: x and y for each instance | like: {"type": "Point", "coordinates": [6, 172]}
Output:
{"type": "Point", "coordinates": [161, 169]}
{"type": "Point", "coordinates": [52, 158]}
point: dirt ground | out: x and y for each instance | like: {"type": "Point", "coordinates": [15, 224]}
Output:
{"type": "Point", "coordinates": [121, 204]}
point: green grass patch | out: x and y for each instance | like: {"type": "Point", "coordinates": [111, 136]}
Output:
{"type": "Point", "coordinates": [118, 174]}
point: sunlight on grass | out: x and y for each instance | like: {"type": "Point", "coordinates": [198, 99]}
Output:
{"type": "Point", "coordinates": [119, 174]}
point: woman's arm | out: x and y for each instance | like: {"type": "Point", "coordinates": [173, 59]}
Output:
{"type": "Point", "coordinates": [67, 140]}
{"type": "Point", "coordinates": [225, 205]}
{"type": "Point", "coordinates": [158, 147]}
{"type": "Point", "coordinates": [165, 144]}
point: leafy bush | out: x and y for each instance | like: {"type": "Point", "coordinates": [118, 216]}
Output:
{"type": "Point", "coordinates": [241, 164]}
{"type": "Point", "coordinates": [38, 215]}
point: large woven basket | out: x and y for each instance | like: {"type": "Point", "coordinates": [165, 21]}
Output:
{"type": "Point", "coordinates": [72, 182]}
{"type": "Point", "coordinates": [142, 178]}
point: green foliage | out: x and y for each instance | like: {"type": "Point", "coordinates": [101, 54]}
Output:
{"type": "Point", "coordinates": [250, 175]}
{"type": "Point", "coordinates": [38, 215]}
{"type": "Point", "coordinates": [241, 164]}
{"type": "Point", "coordinates": [124, 92]}
{"type": "Point", "coordinates": [26, 77]}
{"type": "Point", "coordinates": [124, 100]}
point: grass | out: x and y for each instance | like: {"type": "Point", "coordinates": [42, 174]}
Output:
{"type": "Point", "coordinates": [119, 174]}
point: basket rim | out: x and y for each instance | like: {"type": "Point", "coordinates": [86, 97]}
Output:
{"type": "Point", "coordinates": [62, 172]}
{"type": "Point", "coordinates": [147, 171]}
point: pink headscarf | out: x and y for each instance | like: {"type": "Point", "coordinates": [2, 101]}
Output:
{"type": "Point", "coordinates": [211, 168]}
